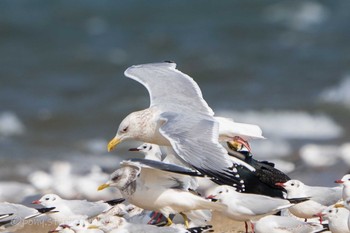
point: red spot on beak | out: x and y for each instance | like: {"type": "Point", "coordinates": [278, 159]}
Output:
{"type": "Point", "coordinates": [279, 184]}
{"type": "Point", "coordinates": [211, 197]}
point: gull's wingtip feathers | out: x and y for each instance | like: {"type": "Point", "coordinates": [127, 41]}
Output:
{"type": "Point", "coordinates": [169, 64]}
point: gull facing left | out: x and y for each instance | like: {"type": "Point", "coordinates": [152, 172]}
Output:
{"type": "Point", "coordinates": [179, 117]}
{"type": "Point", "coordinates": [74, 209]}
{"type": "Point", "coordinates": [159, 190]}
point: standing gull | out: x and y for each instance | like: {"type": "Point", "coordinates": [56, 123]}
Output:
{"type": "Point", "coordinates": [74, 209]}
{"type": "Point", "coordinates": [179, 117]}
{"type": "Point", "coordinates": [246, 206]}
{"type": "Point", "coordinates": [163, 190]}
{"type": "Point", "coordinates": [320, 197]}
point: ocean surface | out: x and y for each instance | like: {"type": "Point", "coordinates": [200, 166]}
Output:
{"type": "Point", "coordinates": [284, 65]}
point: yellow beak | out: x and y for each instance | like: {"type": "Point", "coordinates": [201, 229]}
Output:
{"type": "Point", "coordinates": [339, 205]}
{"type": "Point", "coordinates": [102, 186]}
{"type": "Point", "coordinates": [113, 143]}
{"type": "Point", "coordinates": [92, 227]}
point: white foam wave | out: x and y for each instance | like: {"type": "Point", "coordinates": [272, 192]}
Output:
{"type": "Point", "coordinates": [297, 15]}
{"type": "Point", "coordinates": [345, 153]}
{"type": "Point", "coordinates": [314, 155]}
{"type": "Point", "coordinates": [339, 94]}
{"type": "Point", "coordinates": [289, 124]}
{"type": "Point", "coordinates": [10, 125]}
{"type": "Point", "coordinates": [283, 166]}
{"type": "Point", "coordinates": [271, 148]}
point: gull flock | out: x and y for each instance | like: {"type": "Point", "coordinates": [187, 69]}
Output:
{"type": "Point", "coordinates": [195, 165]}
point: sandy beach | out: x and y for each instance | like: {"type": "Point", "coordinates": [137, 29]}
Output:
{"type": "Point", "coordinates": [221, 224]}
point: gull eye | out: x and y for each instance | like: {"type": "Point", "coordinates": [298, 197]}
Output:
{"type": "Point", "coordinates": [144, 147]}
{"type": "Point", "coordinates": [115, 178]}
{"type": "Point", "coordinates": [47, 199]}
{"type": "Point", "coordinates": [125, 129]}
{"type": "Point", "coordinates": [78, 224]}
{"type": "Point", "coordinates": [292, 184]}
{"type": "Point", "coordinates": [220, 192]}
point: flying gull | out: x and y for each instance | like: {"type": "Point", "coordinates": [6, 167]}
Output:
{"type": "Point", "coordinates": [179, 117]}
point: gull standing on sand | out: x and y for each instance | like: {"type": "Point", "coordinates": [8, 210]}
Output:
{"type": "Point", "coordinates": [320, 197]}
{"type": "Point", "coordinates": [179, 117]}
{"type": "Point", "coordinates": [74, 209]}
{"type": "Point", "coordinates": [164, 190]}
{"type": "Point", "coordinates": [245, 206]}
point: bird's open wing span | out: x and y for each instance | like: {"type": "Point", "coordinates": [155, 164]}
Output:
{"type": "Point", "coordinates": [167, 85]}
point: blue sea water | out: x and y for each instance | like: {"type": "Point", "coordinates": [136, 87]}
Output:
{"type": "Point", "coordinates": [281, 64]}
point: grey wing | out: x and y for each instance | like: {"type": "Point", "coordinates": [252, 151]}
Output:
{"type": "Point", "coordinates": [169, 88]}
{"type": "Point", "coordinates": [18, 211]}
{"type": "Point", "coordinates": [195, 140]}
{"type": "Point", "coordinates": [324, 195]}
{"type": "Point", "coordinates": [86, 208]}
{"type": "Point", "coordinates": [154, 177]}
{"type": "Point", "coordinates": [166, 167]}
{"type": "Point", "coordinates": [260, 204]}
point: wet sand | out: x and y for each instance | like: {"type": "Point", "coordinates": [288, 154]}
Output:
{"type": "Point", "coordinates": [221, 224]}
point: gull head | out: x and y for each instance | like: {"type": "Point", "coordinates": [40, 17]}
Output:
{"type": "Point", "coordinates": [345, 180]}
{"type": "Point", "coordinates": [145, 147]}
{"type": "Point", "coordinates": [122, 178]}
{"type": "Point", "coordinates": [151, 151]}
{"type": "Point", "coordinates": [292, 186]}
{"type": "Point", "coordinates": [79, 225]}
{"type": "Point", "coordinates": [221, 193]}
{"type": "Point", "coordinates": [129, 128]}
{"type": "Point", "coordinates": [48, 200]}
{"type": "Point", "coordinates": [331, 212]}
